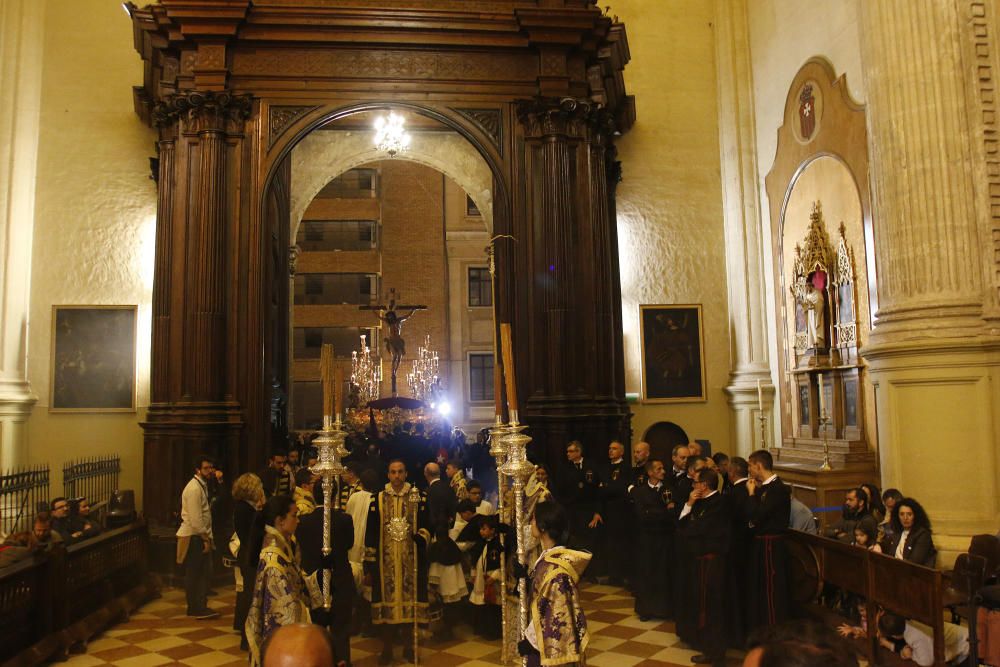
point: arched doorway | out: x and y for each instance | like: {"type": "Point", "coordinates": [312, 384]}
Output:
{"type": "Point", "coordinates": [538, 94]}
{"type": "Point", "coordinates": [663, 437]}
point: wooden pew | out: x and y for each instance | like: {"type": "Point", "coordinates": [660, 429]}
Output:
{"type": "Point", "coordinates": [913, 591]}
{"type": "Point", "coordinates": [55, 601]}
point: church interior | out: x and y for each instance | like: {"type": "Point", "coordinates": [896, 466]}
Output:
{"type": "Point", "coordinates": [375, 233]}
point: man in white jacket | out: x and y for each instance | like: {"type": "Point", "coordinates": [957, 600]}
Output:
{"type": "Point", "coordinates": [194, 539]}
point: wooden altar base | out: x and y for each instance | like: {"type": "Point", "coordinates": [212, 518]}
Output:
{"type": "Point", "coordinates": [820, 489]}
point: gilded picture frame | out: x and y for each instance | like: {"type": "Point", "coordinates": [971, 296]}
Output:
{"type": "Point", "coordinates": [672, 351]}
{"type": "Point", "coordinates": [93, 358]}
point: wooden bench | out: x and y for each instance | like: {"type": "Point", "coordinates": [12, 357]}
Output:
{"type": "Point", "coordinates": [910, 590]}
{"type": "Point", "coordinates": [52, 603]}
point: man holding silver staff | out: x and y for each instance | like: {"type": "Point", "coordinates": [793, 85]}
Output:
{"type": "Point", "coordinates": [395, 557]}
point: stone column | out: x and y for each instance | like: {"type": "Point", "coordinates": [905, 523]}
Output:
{"type": "Point", "coordinates": [21, 28]}
{"type": "Point", "coordinates": [935, 352]}
{"type": "Point", "coordinates": [743, 229]}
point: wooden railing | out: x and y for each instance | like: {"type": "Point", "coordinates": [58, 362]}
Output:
{"type": "Point", "coordinates": [896, 585]}
{"type": "Point", "coordinates": [56, 600]}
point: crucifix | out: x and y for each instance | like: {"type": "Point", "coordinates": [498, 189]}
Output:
{"type": "Point", "coordinates": [394, 343]}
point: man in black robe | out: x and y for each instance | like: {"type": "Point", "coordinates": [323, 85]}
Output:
{"type": "Point", "coordinates": [739, 501]}
{"type": "Point", "coordinates": [652, 503]}
{"type": "Point", "coordinates": [310, 538]}
{"type": "Point", "coordinates": [769, 507]}
{"type": "Point", "coordinates": [579, 491]}
{"type": "Point", "coordinates": [616, 515]}
{"type": "Point", "coordinates": [640, 457]}
{"type": "Point", "coordinates": [704, 532]}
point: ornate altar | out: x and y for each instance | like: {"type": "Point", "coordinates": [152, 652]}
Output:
{"type": "Point", "coordinates": [826, 296]}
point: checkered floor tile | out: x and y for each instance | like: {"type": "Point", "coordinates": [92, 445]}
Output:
{"type": "Point", "coordinates": [160, 634]}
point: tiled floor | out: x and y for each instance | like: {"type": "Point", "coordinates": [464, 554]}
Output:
{"type": "Point", "coordinates": [160, 634]}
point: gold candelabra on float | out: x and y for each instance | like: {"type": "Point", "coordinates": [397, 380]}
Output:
{"type": "Point", "coordinates": [366, 373]}
{"type": "Point", "coordinates": [518, 469]}
{"type": "Point", "coordinates": [424, 380]}
{"type": "Point", "coordinates": [330, 449]}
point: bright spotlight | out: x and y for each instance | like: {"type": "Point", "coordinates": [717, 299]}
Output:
{"type": "Point", "coordinates": [444, 408]}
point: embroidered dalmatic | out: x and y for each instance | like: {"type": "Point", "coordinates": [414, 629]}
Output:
{"type": "Point", "coordinates": [459, 486]}
{"type": "Point", "coordinates": [282, 594]}
{"type": "Point", "coordinates": [558, 625]}
{"type": "Point", "coordinates": [396, 540]}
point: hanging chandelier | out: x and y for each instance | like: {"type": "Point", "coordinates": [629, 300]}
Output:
{"type": "Point", "coordinates": [366, 373]}
{"type": "Point", "coordinates": [390, 135]}
{"type": "Point", "coordinates": [424, 380]}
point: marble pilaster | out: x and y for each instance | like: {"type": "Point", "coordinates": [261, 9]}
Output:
{"type": "Point", "coordinates": [743, 230]}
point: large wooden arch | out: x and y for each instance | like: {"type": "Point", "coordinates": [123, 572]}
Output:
{"type": "Point", "coordinates": [534, 85]}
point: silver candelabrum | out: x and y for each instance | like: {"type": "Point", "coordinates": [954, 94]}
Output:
{"type": "Point", "coordinates": [330, 449]}
{"type": "Point", "coordinates": [824, 421]}
{"type": "Point", "coordinates": [519, 469]}
{"type": "Point", "coordinates": [498, 450]}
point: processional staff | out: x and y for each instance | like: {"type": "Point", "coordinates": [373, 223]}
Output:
{"type": "Point", "coordinates": [518, 469]}
{"type": "Point", "coordinates": [330, 448]}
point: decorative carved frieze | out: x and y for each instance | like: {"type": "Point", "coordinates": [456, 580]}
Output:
{"type": "Point", "coordinates": [203, 110]}
{"type": "Point", "coordinates": [488, 120]}
{"type": "Point", "coordinates": [280, 117]}
{"type": "Point", "coordinates": [386, 64]}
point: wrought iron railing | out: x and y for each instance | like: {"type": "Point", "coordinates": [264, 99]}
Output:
{"type": "Point", "coordinates": [23, 491]}
{"type": "Point", "coordinates": [94, 478]}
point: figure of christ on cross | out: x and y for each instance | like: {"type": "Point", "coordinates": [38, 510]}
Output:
{"type": "Point", "coordinates": [394, 343]}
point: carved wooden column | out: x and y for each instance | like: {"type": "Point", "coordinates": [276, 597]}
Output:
{"type": "Point", "coordinates": [569, 262]}
{"type": "Point", "coordinates": [930, 73]}
{"type": "Point", "coordinates": [192, 410]}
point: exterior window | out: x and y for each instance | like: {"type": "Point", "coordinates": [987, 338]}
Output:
{"type": "Point", "coordinates": [353, 184]}
{"type": "Point", "coordinates": [480, 292]}
{"type": "Point", "coordinates": [471, 210]}
{"type": "Point", "coordinates": [330, 289]}
{"type": "Point", "coordinates": [308, 341]}
{"type": "Point", "coordinates": [481, 377]}
{"type": "Point", "coordinates": [332, 235]}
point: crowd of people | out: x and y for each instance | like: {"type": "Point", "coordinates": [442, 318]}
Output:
{"type": "Point", "coordinates": [699, 540]}
{"type": "Point", "coordinates": [66, 521]}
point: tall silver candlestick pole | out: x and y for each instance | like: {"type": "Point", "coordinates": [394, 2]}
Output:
{"type": "Point", "coordinates": [824, 421]}
{"type": "Point", "coordinates": [330, 448]}
{"type": "Point", "coordinates": [498, 450]}
{"type": "Point", "coordinates": [519, 469]}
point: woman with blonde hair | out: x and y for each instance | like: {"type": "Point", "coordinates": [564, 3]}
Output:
{"type": "Point", "coordinates": [248, 496]}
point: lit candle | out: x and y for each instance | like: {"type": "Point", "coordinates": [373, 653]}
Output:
{"type": "Point", "coordinates": [760, 397]}
{"type": "Point", "coordinates": [822, 406]}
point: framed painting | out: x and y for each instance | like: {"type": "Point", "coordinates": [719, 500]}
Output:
{"type": "Point", "coordinates": [93, 359]}
{"type": "Point", "coordinates": [673, 353]}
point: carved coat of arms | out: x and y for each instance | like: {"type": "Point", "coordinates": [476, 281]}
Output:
{"type": "Point", "coordinates": [807, 112]}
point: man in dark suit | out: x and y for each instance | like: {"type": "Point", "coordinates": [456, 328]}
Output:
{"type": "Point", "coordinates": [441, 501]}
{"type": "Point", "coordinates": [704, 532]}
{"type": "Point", "coordinates": [640, 456]}
{"type": "Point", "coordinates": [739, 500]}
{"type": "Point", "coordinates": [579, 491]}
{"type": "Point", "coordinates": [654, 553]}
{"type": "Point", "coordinates": [310, 537]}
{"type": "Point", "coordinates": [614, 493]}
{"type": "Point", "coordinates": [769, 507]}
